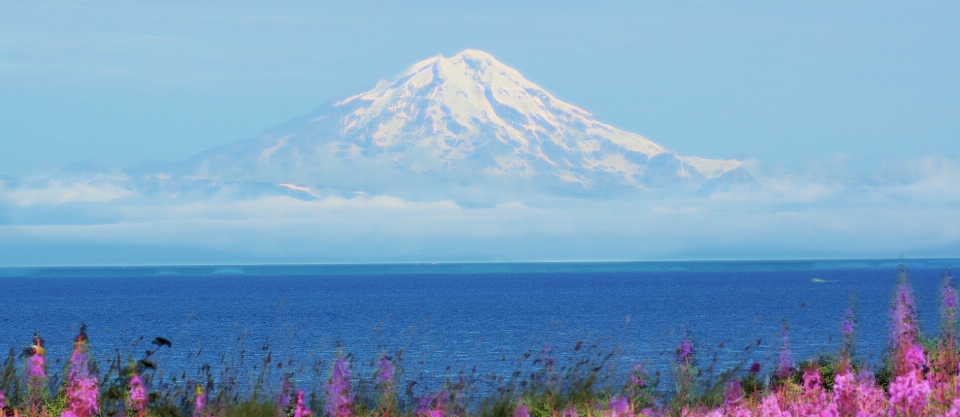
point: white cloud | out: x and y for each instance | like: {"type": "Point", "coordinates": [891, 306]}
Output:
{"type": "Point", "coordinates": [60, 192]}
{"type": "Point", "coordinates": [916, 215]}
{"type": "Point", "coordinates": [930, 176]}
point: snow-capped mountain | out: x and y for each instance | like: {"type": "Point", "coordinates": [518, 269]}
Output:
{"type": "Point", "coordinates": [449, 124]}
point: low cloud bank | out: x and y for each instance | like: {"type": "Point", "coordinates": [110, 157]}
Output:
{"type": "Point", "coordinates": [909, 210]}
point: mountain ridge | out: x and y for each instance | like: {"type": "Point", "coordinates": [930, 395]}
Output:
{"type": "Point", "coordinates": [445, 124]}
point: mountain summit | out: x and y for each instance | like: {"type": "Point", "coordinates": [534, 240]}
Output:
{"type": "Point", "coordinates": [448, 124]}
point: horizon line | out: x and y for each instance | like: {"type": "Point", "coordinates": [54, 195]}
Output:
{"type": "Point", "coordinates": [389, 268]}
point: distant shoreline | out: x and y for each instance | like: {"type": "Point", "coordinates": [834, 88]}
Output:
{"type": "Point", "coordinates": [476, 267]}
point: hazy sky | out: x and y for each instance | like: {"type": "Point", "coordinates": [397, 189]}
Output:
{"type": "Point", "coordinates": [846, 111]}
{"type": "Point", "coordinates": [797, 85]}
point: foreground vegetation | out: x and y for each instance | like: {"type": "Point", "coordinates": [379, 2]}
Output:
{"type": "Point", "coordinates": [918, 377]}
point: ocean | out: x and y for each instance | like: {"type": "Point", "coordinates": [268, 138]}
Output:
{"type": "Point", "coordinates": [460, 319]}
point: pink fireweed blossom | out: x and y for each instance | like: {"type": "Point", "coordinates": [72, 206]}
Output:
{"type": "Point", "coordinates": [909, 394]}
{"type": "Point", "coordinates": [384, 372]}
{"type": "Point", "coordinates": [339, 399]}
{"type": "Point", "coordinates": [434, 406]}
{"type": "Point", "coordinates": [138, 394]}
{"type": "Point", "coordinates": [732, 393]}
{"type": "Point", "coordinates": [871, 400]}
{"type": "Point", "coordinates": [640, 387]}
{"type": "Point", "coordinates": [79, 367]}
{"type": "Point", "coordinates": [948, 313]}
{"type": "Point", "coordinates": [301, 410]}
{"type": "Point", "coordinates": [811, 380]}
{"type": "Point", "coordinates": [904, 313]}
{"type": "Point", "coordinates": [845, 392]}
{"type": "Point", "coordinates": [3, 399]}
{"type": "Point", "coordinates": [638, 378]}
{"type": "Point", "coordinates": [903, 318]}
{"type": "Point", "coordinates": [36, 372]}
{"type": "Point", "coordinates": [283, 398]}
{"type": "Point", "coordinates": [424, 405]}
{"type": "Point", "coordinates": [79, 362]}
{"type": "Point", "coordinates": [814, 401]}
{"type": "Point", "coordinates": [914, 356]}
{"type": "Point", "coordinates": [785, 363]}
{"type": "Point", "coordinates": [82, 388]}
{"type": "Point", "coordinates": [81, 397]}
{"type": "Point", "coordinates": [954, 410]}
{"type": "Point", "coordinates": [199, 402]}
{"type": "Point", "coordinates": [521, 411]}
{"type": "Point", "coordinates": [910, 390]}
{"type": "Point", "coordinates": [685, 350]}
{"type": "Point", "coordinates": [770, 407]}
{"type": "Point", "coordinates": [847, 328]}
{"type": "Point", "coordinates": [950, 303]}
{"type": "Point", "coordinates": [619, 407]}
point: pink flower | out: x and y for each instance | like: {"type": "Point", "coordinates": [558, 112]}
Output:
{"type": "Point", "coordinates": [384, 371]}
{"type": "Point", "coordinates": [845, 392]}
{"type": "Point", "coordinates": [619, 406]}
{"type": "Point", "coordinates": [909, 394]}
{"type": "Point", "coordinates": [685, 350]}
{"type": "Point", "coordinates": [714, 413]}
{"type": "Point", "coordinates": [521, 411]}
{"type": "Point", "coordinates": [847, 328]}
{"type": "Point", "coordinates": [785, 364]}
{"type": "Point", "coordinates": [770, 407]}
{"type": "Point", "coordinates": [904, 314]}
{"type": "Point", "coordinates": [36, 373]}
{"type": "Point", "coordinates": [138, 394]}
{"type": "Point", "coordinates": [82, 397]}
{"type": "Point", "coordinates": [36, 368]}
{"type": "Point", "coordinates": [301, 410]}
{"type": "Point", "coordinates": [954, 410]}
{"type": "Point", "coordinates": [914, 356]}
{"type": "Point", "coordinates": [871, 400]}
{"type": "Point", "coordinates": [732, 393]}
{"type": "Point", "coordinates": [339, 398]}
{"type": "Point", "coordinates": [78, 364]}
{"type": "Point", "coordinates": [811, 380]}
{"type": "Point", "coordinates": [200, 402]}
{"type": "Point", "coordinates": [814, 401]}
{"type": "Point", "coordinates": [283, 398]}
{"type": "Point", "coordinates": [950, 302]}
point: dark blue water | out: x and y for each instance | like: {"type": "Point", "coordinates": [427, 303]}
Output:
{"type": "Point", "coordinates": [458, 316]}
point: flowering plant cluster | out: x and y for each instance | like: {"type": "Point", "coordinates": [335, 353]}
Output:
{"type": "Point", "coordinates": [82, 388]}
{"type": "Point", "coordinates": [339, 398]}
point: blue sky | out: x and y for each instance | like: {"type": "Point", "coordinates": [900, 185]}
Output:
{"type": "Point", "coordinates": [792, 84]}
{"type": "Point", "coordinates": [819, 91]}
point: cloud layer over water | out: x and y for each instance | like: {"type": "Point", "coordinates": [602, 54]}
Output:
{"type": "Point", "coordinates": [909, 209]}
